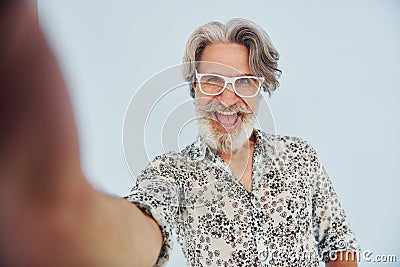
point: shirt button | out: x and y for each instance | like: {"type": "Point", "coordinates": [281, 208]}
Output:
{"type": "Point", "coordinates": [263, 255]}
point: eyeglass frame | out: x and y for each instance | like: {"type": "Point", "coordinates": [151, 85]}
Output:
{"type": "Point", "coordinates": [229, 80]}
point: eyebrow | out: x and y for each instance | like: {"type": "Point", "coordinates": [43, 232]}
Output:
{"type": "Point", "coordinates": [241, 75]}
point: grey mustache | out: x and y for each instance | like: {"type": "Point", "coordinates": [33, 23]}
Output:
{"type": "Point", "coordinates": [215, 106]}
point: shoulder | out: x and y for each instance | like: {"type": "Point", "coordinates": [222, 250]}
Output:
{"type": "Point", "coordinates": [175, 159]}
{"type": "Point", "coordinates": [286, 143]}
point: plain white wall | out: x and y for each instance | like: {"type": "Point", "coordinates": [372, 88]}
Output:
{"type": "Point", "coordinates": [339, 88]}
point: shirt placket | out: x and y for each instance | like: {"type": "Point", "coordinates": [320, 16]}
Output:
{"type": "Point", "coordinates": [258, 214]}
{"type": "Point", "coordinates": [259, 223]}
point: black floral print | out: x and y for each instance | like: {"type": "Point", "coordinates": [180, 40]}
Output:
{"type": "Point", "coordinates": [292, 217]}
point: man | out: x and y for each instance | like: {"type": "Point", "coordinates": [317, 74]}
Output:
{"type": "Point", "coordinates": [237, 196]}
{"type": "Point", "coordinates": [51, 216]}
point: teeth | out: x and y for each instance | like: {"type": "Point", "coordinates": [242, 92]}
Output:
{"type": "Point", "coordinates": [226, 112]}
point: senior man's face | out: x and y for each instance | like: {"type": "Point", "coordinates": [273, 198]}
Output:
{"type": "Point", "coordinates": [226, 120]}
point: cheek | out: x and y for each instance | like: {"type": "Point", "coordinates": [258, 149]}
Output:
{"type": "Point", "coordinates": [203, 99]}
{"type": "Point", "coordinates": [252, 103]}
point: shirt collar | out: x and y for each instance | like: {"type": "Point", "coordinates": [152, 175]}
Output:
{"type": "Point", "coordinates": [200, 149]}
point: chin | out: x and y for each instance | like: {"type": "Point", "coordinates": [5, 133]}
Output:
{"type": "Point", "coordinates": [223, 141]}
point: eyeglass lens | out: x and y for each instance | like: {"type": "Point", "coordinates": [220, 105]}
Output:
{"type": "Point", "coordinates": [244, 86]}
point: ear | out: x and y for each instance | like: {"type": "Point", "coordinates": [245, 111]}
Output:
{"type": "Point", "coordinates": [193, 91]}
{"type": "Point", "coordinates": [195, 86]}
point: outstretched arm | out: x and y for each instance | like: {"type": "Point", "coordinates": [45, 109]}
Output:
{"type": "Point", "coordinates": [49, 213]}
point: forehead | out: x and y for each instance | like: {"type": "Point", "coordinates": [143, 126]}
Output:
{"type": "Point", "coordinates": [227, 59]}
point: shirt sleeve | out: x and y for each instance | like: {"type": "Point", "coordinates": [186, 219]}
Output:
{"type": "Point", "coordinates": [331, 228]}
{"type": "Point", "coordinates": [155, 193]}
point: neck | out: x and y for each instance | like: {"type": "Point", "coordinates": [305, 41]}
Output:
{"type": "Point", "coordinates": [240, 162]}
{"type": "Point", "coordinates": [245, 152]}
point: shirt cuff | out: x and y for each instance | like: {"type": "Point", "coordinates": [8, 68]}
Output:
{"type": "Point", "coordinates": [348, 242]}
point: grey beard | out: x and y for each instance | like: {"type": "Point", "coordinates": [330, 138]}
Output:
{"type": "Point", "coordinates": [221, 141]}
{"type": "Point", "coordinates": [225, 142]}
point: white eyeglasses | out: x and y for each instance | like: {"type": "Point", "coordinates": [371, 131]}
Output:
{"type": "Point", "coordinates": [215, 84]}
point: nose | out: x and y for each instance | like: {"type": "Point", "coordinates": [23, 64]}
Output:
{"type": "Point", "coordinates": [228, 96]}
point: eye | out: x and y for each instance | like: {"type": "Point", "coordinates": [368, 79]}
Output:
{"type": "Point", "coordinates": [213, 79]}
{"type": "Point", "coordinates": [243, 81]}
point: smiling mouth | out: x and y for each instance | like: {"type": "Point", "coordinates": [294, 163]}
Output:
{"type": "Point", "coordinates": [227, 119]}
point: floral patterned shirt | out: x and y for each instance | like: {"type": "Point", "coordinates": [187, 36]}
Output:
{"type": "Point", "coordinates": [292, 217]}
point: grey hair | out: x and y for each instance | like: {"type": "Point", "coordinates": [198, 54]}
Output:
{"type": "Point", "coordinates": [263, 57]}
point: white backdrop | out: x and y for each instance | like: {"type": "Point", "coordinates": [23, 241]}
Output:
{"type": "Point", "coordinates": [339, 88]}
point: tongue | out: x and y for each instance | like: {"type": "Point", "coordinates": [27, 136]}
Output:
{"type": "Point", "coordinates": [226, 120]}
